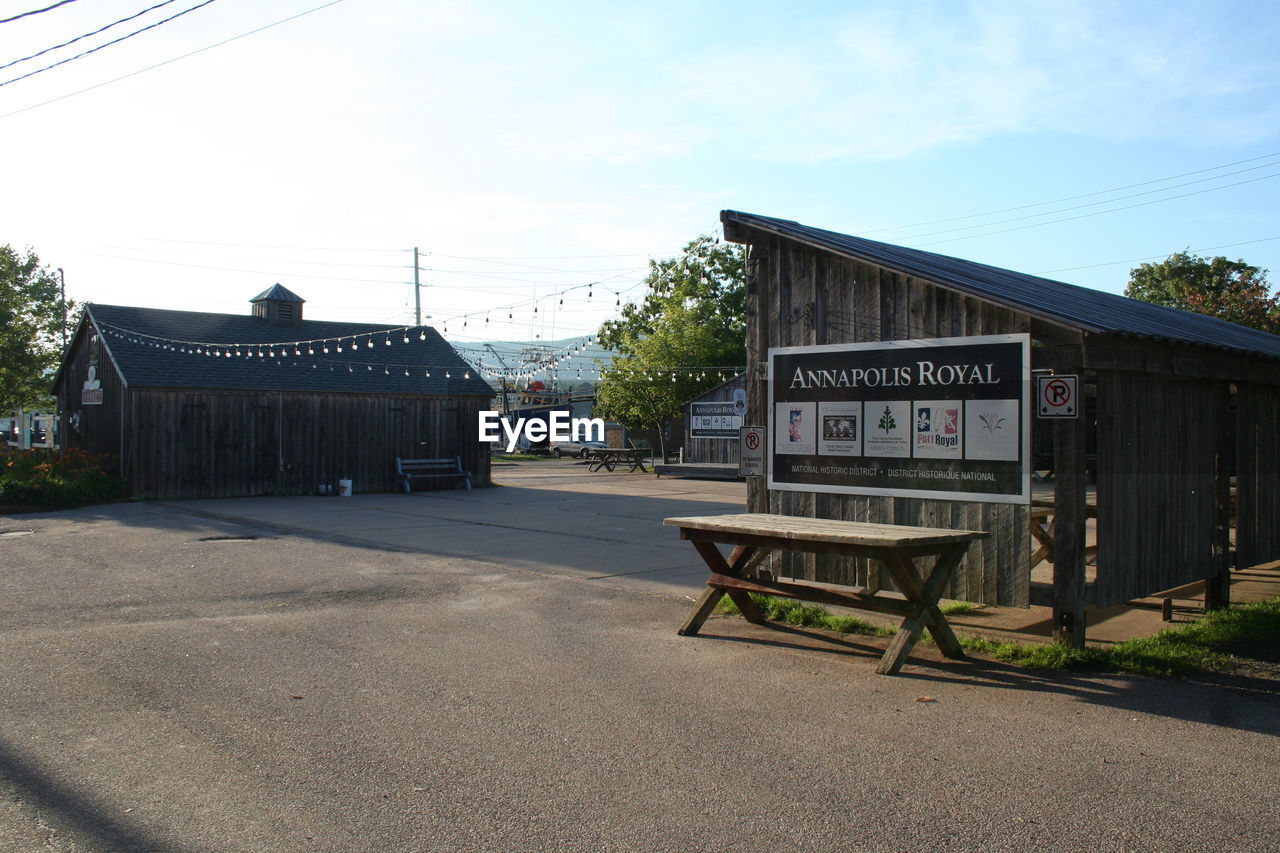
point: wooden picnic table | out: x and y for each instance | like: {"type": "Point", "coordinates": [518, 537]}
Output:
{"type": "Point", "coordinates": [756, 535]}
{"type": "Point", "coordinates": [1042, 512]}
{"type": "Point", "coordinates": [609, 457]}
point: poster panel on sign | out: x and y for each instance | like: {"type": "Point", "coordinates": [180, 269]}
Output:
{"type": "Point", "coordinates": [794, 428]}
{"type": "Point", "coordinates": [840, 429]}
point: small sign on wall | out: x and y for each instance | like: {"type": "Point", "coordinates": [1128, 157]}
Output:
{"type": "Point", "coordinates": [751, 458]}
{"type": "Point", "coordinates": [714, 420]}
{"type": "Point", "coordinates": [1058, 396]}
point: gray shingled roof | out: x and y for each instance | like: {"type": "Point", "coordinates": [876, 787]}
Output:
{"type": "Point", "coordinates": [140, 341]}
{"type": "Point", "coordinates": [1056, 301]}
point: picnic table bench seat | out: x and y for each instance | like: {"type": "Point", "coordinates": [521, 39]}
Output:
{"type": "Point", "coordinates": [444, 468]}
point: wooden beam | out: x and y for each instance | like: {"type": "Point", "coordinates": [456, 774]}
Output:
{"type": "Point", "coordinates": [1217, 587]}
{"type": "Point", "coordinates": [1116, 352]}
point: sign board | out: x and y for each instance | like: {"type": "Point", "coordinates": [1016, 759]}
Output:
{"type": "Point", "coordinates": [752, 442]}
{"type": "Point", "coordinates": [91, 391]}
{"type": "Point", "coordinates": [714, 420]}
{"type": "Point", "coordinates": [1058, 396]}
{"type": "Point", "coordinates": [945, 418]}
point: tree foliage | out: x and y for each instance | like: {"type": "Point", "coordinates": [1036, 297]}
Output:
{"type": "Point", "coordinates": [1231, 290]}
{"type": "Point", "coordinates": [693, 319]}
{"type": "Point", "coordinates": [30, 325]}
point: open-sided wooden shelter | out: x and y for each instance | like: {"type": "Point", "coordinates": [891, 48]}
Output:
{"type": "Point", "coordinates": [1187, 408]}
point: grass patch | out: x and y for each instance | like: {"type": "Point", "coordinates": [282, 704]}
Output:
{"type": "Point", "coordinates": [794, 612]}
{"type": "Point", "coordinates": [1229, 640]}
{"type": "Point", "coordinates": [1219, 641]}
{"type": "Point", "coordinates": [959, 608]}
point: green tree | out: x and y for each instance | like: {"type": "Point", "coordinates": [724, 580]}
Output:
{"type": "Point", "coordinates": [692, 320]}
{"type": "Point", "coordinates": [30, 328]}
{"type": "Point", "coordinates": [1232, 290]}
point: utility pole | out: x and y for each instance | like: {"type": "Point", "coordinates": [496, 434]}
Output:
{"type": "Point", "coordinates": [63, 277]}
{"type": "Point", "coordinates": [505, 373]}
{"type": "Point", "coordinates": [417, 294]}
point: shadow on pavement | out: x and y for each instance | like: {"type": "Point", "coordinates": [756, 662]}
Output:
{"type": "Point", "coordinates": [1248, 703]}
{"type": "Point", "coordinates": [90, 822]}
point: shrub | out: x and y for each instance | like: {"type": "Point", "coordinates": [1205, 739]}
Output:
{"type": "Point", "coordinates": [59, 479]}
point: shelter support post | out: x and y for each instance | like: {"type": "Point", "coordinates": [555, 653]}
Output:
{"type": "Point", "coordinates": [1068, 531]}
{"type": "Point", "coordinates": [1217, 587]}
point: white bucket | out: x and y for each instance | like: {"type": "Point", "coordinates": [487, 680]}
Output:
{"type": "Point", "coordinates": [344, 488]}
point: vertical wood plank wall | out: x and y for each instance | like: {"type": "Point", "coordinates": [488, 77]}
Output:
{"type": "Point", "coordinates": [1156, 482]}
{"type": "Point", "coordinates": [1258, 480]}
{"type": "Point", "coordinates": [99, 424]}
{"type": "Point", "coordinates": [709, 450]}
{"type": "Point", "coordinates": [187, 444]}
{"type": "Point", "coordinates": [805, 297]}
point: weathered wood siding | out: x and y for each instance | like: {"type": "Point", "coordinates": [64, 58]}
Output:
{"type": "Point", "coordinates": [188, 444]}
{"type": "Point", "coordinates": [800, 296]}
{"type": "Point", "coordinates": [1157, 480]}
{"type": "Point", "coordinates": [716, 450]}
{"type": "Point", "coordinates": [99, 425]}
{"type": "Point", "coordinates": [1258, 480]}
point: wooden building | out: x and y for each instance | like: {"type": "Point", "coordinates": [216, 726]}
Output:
{"type": "Point", "coordinates": [265, 403]}
{"type": "Point", "coordinates": [1183, 403]}
{"type": "Point", "coordinates": [714, 443]}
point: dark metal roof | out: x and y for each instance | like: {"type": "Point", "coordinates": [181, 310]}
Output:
{"type": "Point", "coordinates": [1065, 304]}
{"type": "Point", "coordinates": [155, 348]}
{"type": "Point", "coordinates": [277, 293]}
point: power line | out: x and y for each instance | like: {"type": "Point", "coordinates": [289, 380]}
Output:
{"type": "Point", "coordinates": [86, 35]}
{"type": "Point", "coordinates": [107, 44]}
{"type": "Point", "coordinates": [1097, 203]}
{"type": "Point", "coordinates": [1073, 197]}
{"type": "Point", "coordinates": [1100, 212]}
{"type": "Point", "coordinates": [36, 11]}
{"type": "Point", "coordinates": [1157, 257]}
{"type": "Point", "coordinates": [170, 61]}
{"type": "Point", "coordinates": [267, 246]}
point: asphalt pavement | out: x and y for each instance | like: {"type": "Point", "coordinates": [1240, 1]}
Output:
{"type": "Point", "coordinates": [499, 670]}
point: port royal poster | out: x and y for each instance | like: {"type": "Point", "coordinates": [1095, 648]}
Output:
{"type": "Point", "coordinates": [941, 418]}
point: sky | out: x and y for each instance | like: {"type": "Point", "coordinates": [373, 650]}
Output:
{"type": "Point", "coordinates": [537, 151]}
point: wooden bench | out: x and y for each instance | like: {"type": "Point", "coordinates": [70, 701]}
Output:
{"type": "Point", "coordinates": [754, 535]}
{"type": "Point", "coordinates": [446, 468]}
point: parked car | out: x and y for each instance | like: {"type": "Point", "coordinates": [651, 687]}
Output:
{"type": "Point", "coordinates": [578, 449]}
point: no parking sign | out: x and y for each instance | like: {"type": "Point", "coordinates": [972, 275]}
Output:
{"type": "Point", "coordinates": [1058, 396]}
{"type": "Point", "coordinates": [751, 457]}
